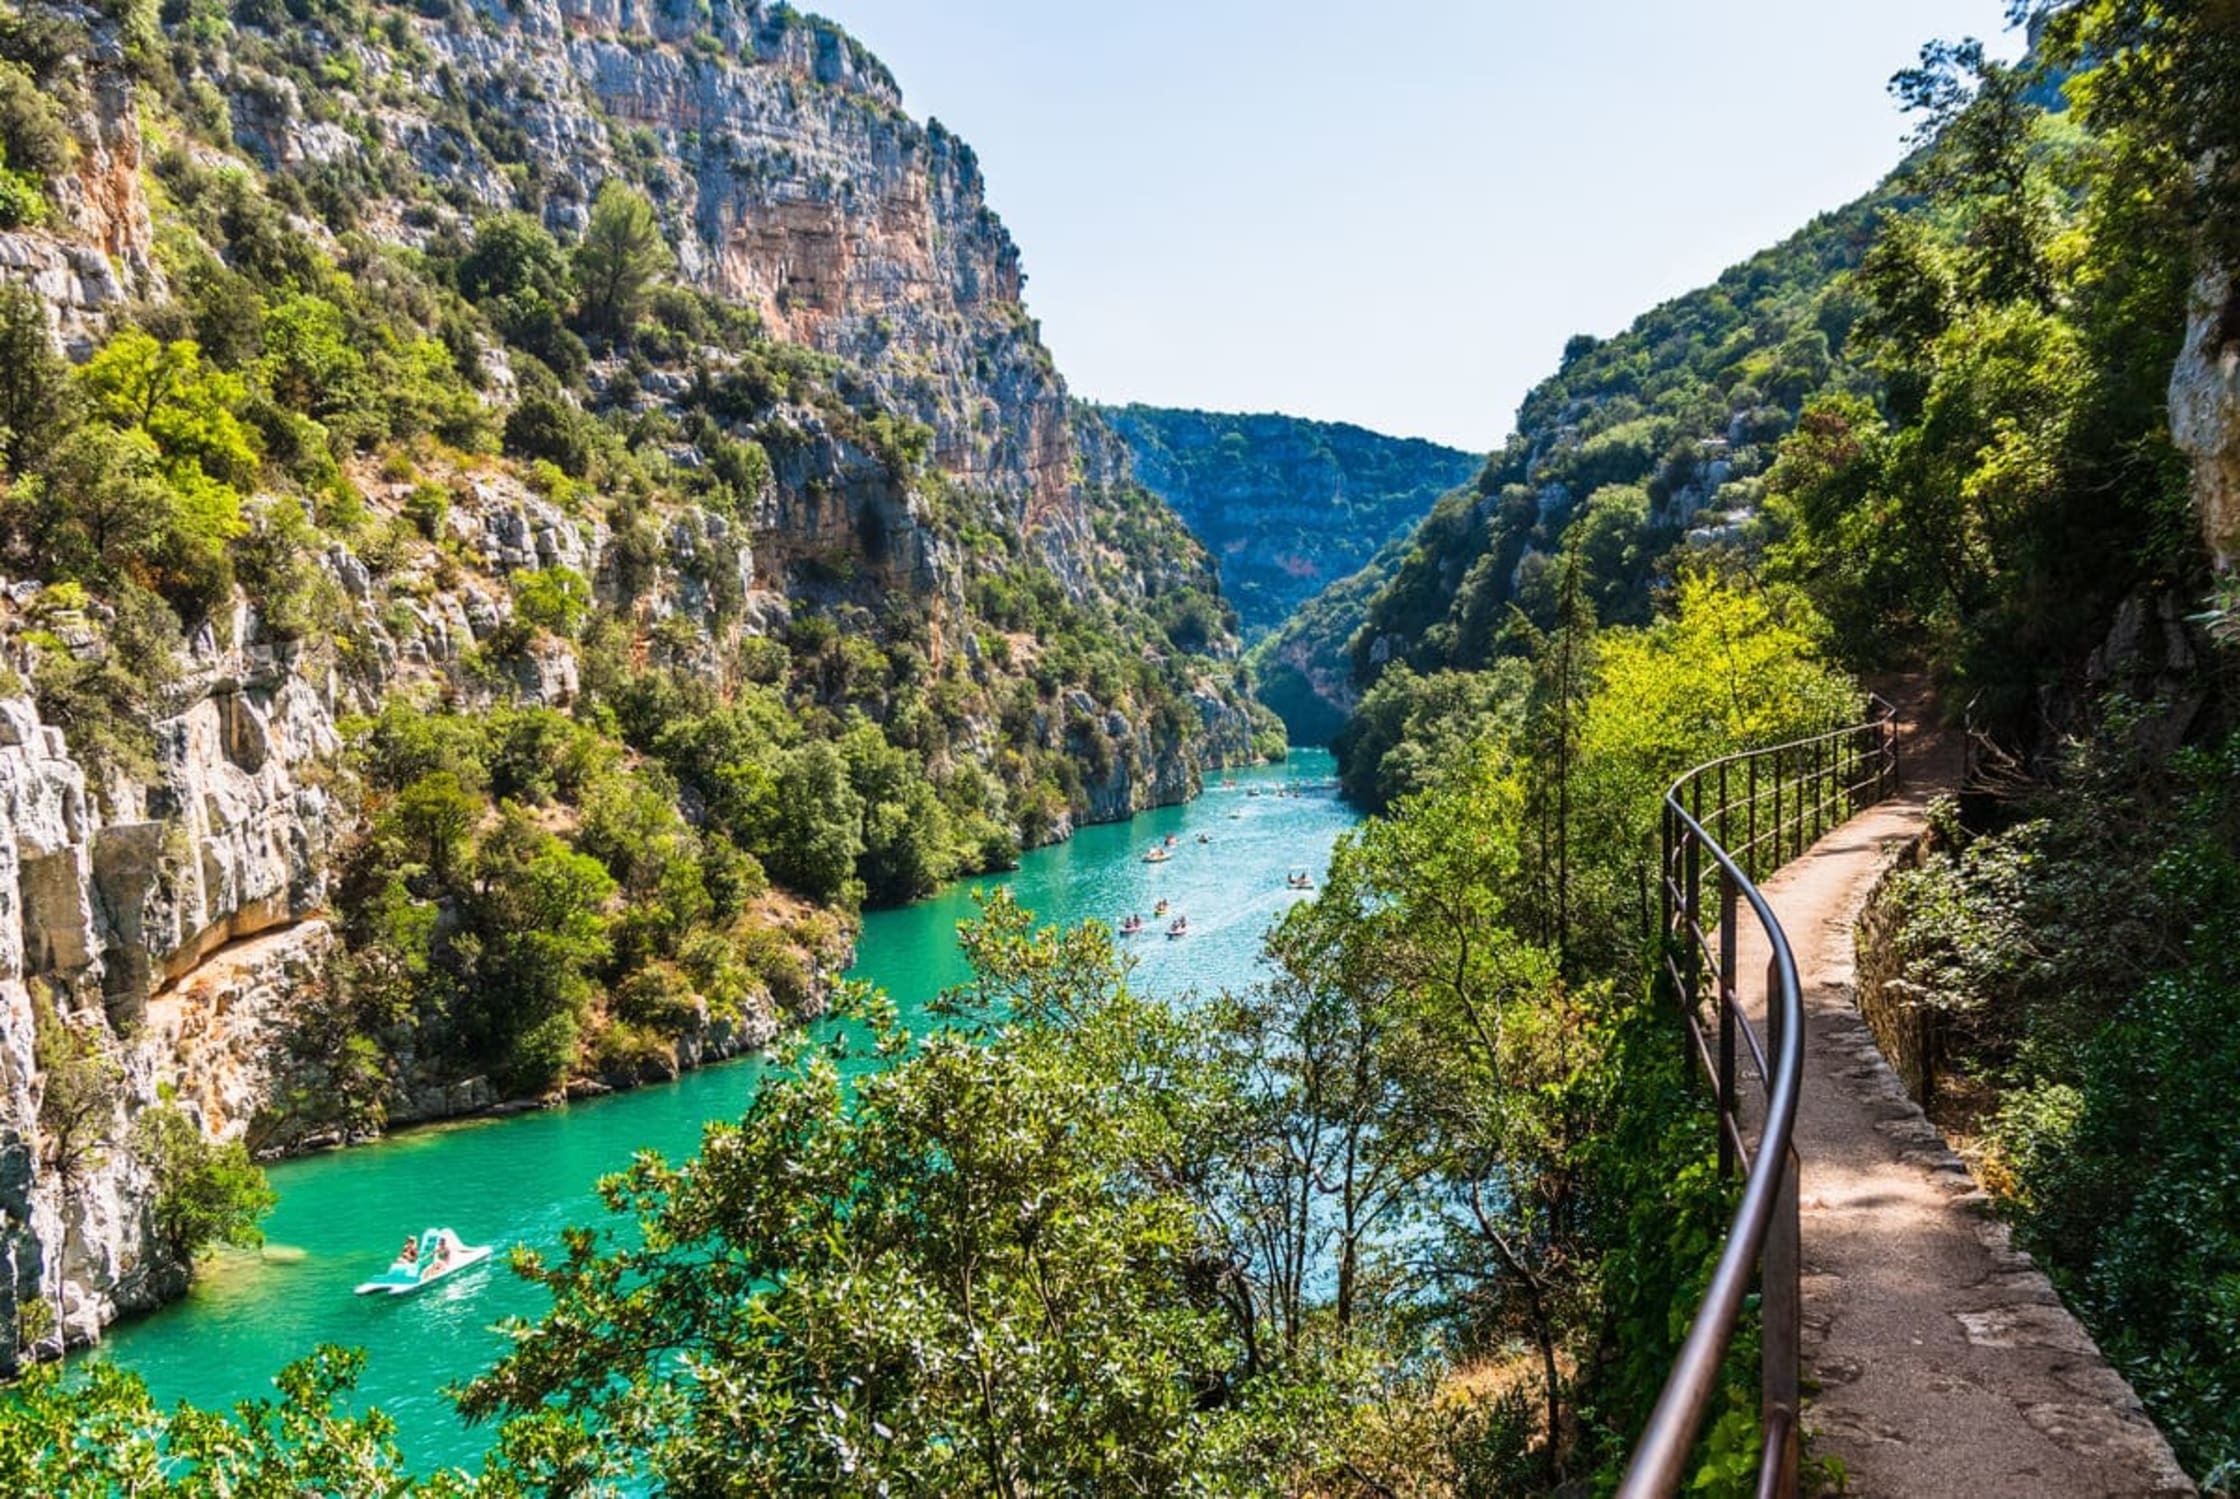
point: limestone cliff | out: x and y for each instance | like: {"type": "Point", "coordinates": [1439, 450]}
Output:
{"type": "Point", "coordinates": [1287, 505]}
{"type": "Point", "coordinates": [2205, 412]}
{"type": "Point", "coordinates": [836, 472]}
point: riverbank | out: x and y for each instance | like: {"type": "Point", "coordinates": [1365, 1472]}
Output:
{"type": "Point", "coordinates": [523, 1179]}
{"type": "Point", "coordinates": [227, 1025]}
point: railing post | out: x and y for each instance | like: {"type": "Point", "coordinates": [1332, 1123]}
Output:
{"type": "Point", "coordinates": [1820, 789]}
{"type": "Point", "coordinates": [1691, 888]}
{"type": "Point", "coordinates": [1778, 834]}
{"type": "Point", "coordinates": [1750, 859]}
{"type": "Point", "coordinates": [1664, 876]}
{"type": "Point", "coordinates": [1781, 1306]}
{"type": "Point", "coordinates": [1725, 841]}
{"type": "Point", "coordinates": [1729, 896]}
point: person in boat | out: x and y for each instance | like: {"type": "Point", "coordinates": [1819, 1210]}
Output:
{"type": "Point", "coordinates": [441, 1260]}
{"type": "Point", "coordinates": [1180, 928]}
{"type": "Point", "coordinates": [409, 1256]}
{"type": "Point", "coordinates": [1159, 909]}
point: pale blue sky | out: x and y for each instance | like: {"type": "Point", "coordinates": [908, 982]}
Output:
{"type": "Point", "coordinates": [1395, 214]}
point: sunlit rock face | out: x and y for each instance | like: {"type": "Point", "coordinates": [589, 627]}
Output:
{"type": "Point", "coordinates": [177, 917]}
{"type": "Point", "coordinates": [2205, 411]}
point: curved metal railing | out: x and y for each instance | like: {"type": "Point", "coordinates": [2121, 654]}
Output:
{"type": "Point", "coordinates": [1780, 800]}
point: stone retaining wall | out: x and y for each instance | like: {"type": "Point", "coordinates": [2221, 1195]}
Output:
{"type": "Point", "coordinates": [1904, 1029]}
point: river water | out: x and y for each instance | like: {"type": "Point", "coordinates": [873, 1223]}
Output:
{"type": "Point", "coordinates": [521, 1180]}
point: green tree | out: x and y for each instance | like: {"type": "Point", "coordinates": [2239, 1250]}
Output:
{"type": "Point", "coordinates": [36, 409]}
{"type": "Point", "coordinates": [536, 928]}
{"type": "Point", "coordinates": [552, 598]}
{"type": "Point", "coordinates": [941, 1279]}
{"type": "Point", "coordinates": [311, 368]}
{"type": "Point", "coordinates": [621, 254]}
{"type": "Point", "coordinates": [513, 258]}
{"type": "Point", "coordinates": [520, 277]}
{"type": "Point", "coordinates": [97, 1431]}
{"type": "Point", "coordinates": [817, 828]}
{"type": "Point", "coordinates": [81, 1092]}
{"type": "Point", "coordinates": [436, 817]}
{"type": "Point", "coordinates": [1416, 939]}
{"type": "Point", "coordinates": [186, 407]}
{"type": "Point", "coordinates": [906, 832]}
{"type": "Point", "coordinates": [97, 512]}
{"type": "Point", "coordinates": [206, 1192]}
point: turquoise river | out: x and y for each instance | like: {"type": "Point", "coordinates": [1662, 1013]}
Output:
{"type": "Point", "coordinates": [521, 1180]}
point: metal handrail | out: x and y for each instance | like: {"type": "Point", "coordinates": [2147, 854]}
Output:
{"type": "Point", "coordinates": [1844, 771]}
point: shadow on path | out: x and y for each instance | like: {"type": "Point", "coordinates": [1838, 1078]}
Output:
{"type": "Point", "coordinates": [1944, 1362]}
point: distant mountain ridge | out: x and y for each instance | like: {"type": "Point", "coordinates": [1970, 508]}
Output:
{"type": "Point", "coordinates": [1286, 505]}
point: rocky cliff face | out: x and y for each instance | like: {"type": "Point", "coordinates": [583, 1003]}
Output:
{"type": "Point", "coordinates": [169, 920]}
{"type": "Point", "coordinates": [1288, 506]}
{"type": "Point", "coordinates": [2205, 411]}
{"type": "Point", "coordinates": [787, 173]}
{"type": "Point", "coordinates": [175, 917]}
{"type": "Point", "coordinates": [104, 900]}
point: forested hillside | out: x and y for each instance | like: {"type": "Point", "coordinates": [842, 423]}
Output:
{"type": "Point", "coordinates": [1286, 506]}
{"type": "Point", "coordinates": [1996, 442]}
{"type": "Point", "coordinates": [518, 521]}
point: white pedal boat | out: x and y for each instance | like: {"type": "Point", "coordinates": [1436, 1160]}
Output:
{"type": "Point", "coordinates": [436, 1255]}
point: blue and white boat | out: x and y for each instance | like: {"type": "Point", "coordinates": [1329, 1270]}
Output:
{"type": "Point", "coordinates": [434, 1255]}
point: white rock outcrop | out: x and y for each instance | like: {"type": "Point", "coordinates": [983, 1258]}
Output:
{"type": "Point", "coordinates": [2205, 412]}
{"type": "Point", "coordinates": [99, 912]}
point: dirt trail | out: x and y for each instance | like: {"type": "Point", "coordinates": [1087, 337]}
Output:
{"type": "Point", "coordinates": [1945, 1364]}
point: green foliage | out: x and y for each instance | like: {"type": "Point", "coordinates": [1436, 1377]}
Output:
{"type": "Point", "coordinates": [545, 427]}
{"type": "Point", "coordinates": [1408, 729]}
{"type": "Point", "coordinates": [35, 393]}
{"type": "Point", "coordinates": [22, 200]}
{"type": "Point", "coordinates": [907, 840]}
{"type": "Point", "coordinates": [1473, 1130]}
{"type": "Point", "coordinates": [817, 826]}
{"type": "Point", "coordinates": [99, 1432]}
{"type": "Point", "coordinates": [189, 410]}
{"type": "Point", "coordinates": [428, 507]}
{"type": "Point", "coordinates": [2161, 89]}
{"type": "Point", "coordinates": [1000, 1305]}
{"type": "Point", "coordinates": [552, 598]}
{"type": "Point", "coordinates": [2079, 960]}
{"type": "Point", "coordinates": [33, 139]}
{"type": "Point", "coordinates": [2016, 482]}
{"type": "Point", "coordinates": [618, 259]}
{"type": "Point", "coordinates": [535, 927]}
{"type": "Point", "coordinates": [515, 271]}
{"type": "Point", "coordinates": [101, 698]}
{"type": "Point", "coordinates": [206, 1193]}
{"type": "Point", "coordinates": [276, 564]}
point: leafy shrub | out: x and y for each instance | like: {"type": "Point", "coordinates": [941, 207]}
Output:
{"type": "Point", "coordinates": [547, 427]}
{"type": "Point", "coordinates": [552, 598]}
{"type": "Point", "coordinates": [206, 1193]}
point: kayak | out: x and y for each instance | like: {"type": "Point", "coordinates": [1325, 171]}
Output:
{"type": "Point", "coordinates": [419, 1269]}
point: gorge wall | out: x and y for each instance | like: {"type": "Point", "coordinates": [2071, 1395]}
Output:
{"type": "Point", "coordinates": [846, 474]}
{"type": "Point", "coordinates": [1287, 506]}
